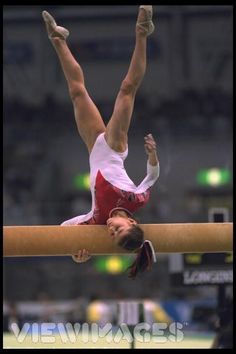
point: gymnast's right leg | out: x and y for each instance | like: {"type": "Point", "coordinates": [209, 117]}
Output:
{"type": "Point", "coordinates": [88, 119]}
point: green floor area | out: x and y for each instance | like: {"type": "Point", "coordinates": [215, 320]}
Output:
{"type": "Point", "coordinates": [57, 341]}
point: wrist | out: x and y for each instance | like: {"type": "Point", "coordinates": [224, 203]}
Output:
{"type": "Point", "coordinates": [152, 158]}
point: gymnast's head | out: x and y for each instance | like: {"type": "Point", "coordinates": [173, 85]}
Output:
{"type": "Point", "coordinates": [127, 234]}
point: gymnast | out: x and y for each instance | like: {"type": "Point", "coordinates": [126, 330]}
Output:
{"type": "Point", "coordinates": [114, 195]}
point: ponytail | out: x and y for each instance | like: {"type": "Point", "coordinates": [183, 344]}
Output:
{"type": "Point", "coordinates": [144, 260]}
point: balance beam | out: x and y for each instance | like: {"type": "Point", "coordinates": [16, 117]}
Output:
{"type": "Point", "coordinates": [23, 241]}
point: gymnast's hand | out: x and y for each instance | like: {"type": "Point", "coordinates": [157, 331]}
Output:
{"type": "Point", "coordinates": [150, 148]}
{"type": "Point", "coordinates": [81, 256]}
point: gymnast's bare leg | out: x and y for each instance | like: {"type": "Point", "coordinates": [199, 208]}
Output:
{"type": "Point", "coordinates": [88, 119]}
{"type": "Point", "coordinates": [118, 126]}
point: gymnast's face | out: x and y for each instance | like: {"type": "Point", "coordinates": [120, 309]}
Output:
{"type": "Point", "coordinates": [119, 226]}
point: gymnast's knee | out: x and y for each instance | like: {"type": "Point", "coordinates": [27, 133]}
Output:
{"type": "Point", "coordinates": [128, 87]}
{"type": "Point", "coordinates": [77, 90]}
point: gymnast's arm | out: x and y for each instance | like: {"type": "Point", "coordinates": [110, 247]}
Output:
{"type": "Point", "coordinates": [81, 256]}
{"type": "Point", "coordinates": [150, 148]}
{"type": "Point", "coordinates": [153, 168]}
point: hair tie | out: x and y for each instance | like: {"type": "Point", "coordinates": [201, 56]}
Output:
{"type": "Point", "coordinates": [152, 249]}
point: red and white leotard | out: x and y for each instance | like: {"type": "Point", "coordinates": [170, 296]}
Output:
{"type": "Point", "coordinates": [110, 185]}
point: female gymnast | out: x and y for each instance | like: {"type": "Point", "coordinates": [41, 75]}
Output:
{"type": "Point", "coordinates": [114, 196]}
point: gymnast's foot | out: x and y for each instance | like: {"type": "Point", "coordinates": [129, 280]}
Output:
{"type": "Point", "coordinates": [53, 30]}
{"type": "Point", "coordinates": [144, 23]}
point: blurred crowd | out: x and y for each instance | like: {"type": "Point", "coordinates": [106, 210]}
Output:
{"type": "Point", "coordinates": [80, 310]}
{"type": "Point", "coordinates": [115, 312]}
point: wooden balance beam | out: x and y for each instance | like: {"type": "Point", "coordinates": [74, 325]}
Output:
{"type": "Point", "coordinates": [23, 241]}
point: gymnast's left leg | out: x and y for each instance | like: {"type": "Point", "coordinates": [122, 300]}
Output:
{"type": "Point", "coordinates": [88, 119]}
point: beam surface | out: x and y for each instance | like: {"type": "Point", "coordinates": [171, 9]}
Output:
{"type": "Point", "coordinates": [67, 240]}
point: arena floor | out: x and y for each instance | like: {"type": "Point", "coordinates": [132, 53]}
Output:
{"type": "Point", "coordinates": [10, 341]}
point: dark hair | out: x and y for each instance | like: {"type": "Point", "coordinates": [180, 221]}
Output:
{"type": "Point", "coordinates": [134, 241]}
